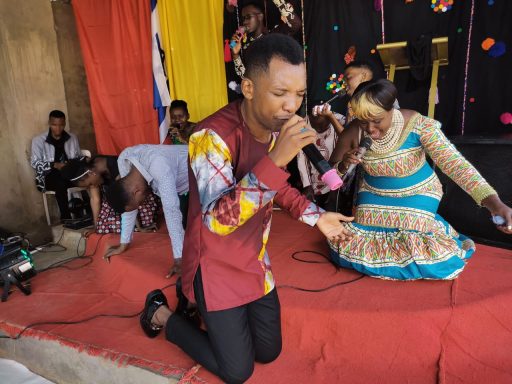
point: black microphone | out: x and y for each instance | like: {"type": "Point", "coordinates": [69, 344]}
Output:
{"type": "Point", "coordinates": [328, 175]}
{"type": "Point", "coordinates": [363, 147]}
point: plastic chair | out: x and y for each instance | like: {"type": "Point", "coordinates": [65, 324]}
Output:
{"type": "Point", "coordinates": [71, 191]}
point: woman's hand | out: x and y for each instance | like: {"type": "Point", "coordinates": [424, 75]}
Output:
{"type": "Point", "coordinates": [349, 158]}
{"type": "Point", "coordinates": [498, 208]}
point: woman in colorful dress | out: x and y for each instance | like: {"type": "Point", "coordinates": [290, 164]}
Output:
{"type": "Point", "coordinates": [97, 174]}
{"type": "Point", "coordinates": [397, 231]}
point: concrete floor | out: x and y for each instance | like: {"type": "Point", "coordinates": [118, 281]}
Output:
{"type": "Point", "coordinates": [69, 243]}
{"type": "Point", "coordinates": [12, 372]}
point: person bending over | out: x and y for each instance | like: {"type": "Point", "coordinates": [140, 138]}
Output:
{"type": "Point", "coordinates": [398, 233]}
{"type": "Point", "coordinates": [97, 175]}
{"type": "Point", "coordinates": [145, 168]}
{"type": "Point", "coordinates": [236, 175]}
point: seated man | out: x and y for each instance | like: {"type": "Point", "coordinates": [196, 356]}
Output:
{"type": "Point", "coordinates": [180, 128]}
{"type": "Point", "coordinates": [236, 174]}
{"type": "Point", "coordinates": [50, 152]}
{"type": "Point", "coordinates": [328, 126]}
{"type": "Point", "coordinates": [162, 169]}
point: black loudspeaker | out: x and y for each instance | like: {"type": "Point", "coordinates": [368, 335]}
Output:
{"type": "Point", "coordinates": [493, 159]}
{"type": "Point", "coordinates": [16, 265]}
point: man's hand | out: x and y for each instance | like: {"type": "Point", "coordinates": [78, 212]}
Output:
{"type": "Point", "coordinates": [292, 138]}
{"type": "Point", "coordinates": [114, 250]}
{"type": "Point", "coordinates": [175, 269]}
{"type": "Point", "coordinates": [58, 165]}
{"type": "Point", "coordinates": [330, 224]}
{"type": "Point", "coordinates": [235, 51]}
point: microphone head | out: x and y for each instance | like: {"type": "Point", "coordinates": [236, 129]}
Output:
{"type": "Point", "coordinates": [366, 143]}
{"type": "Point", "coordinates": [332, 179]}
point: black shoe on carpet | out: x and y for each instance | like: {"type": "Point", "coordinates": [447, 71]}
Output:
{"type": "Point", "coordinates": [154, 300]}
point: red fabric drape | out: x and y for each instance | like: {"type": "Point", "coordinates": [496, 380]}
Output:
{"type": "Point", "coordinates": [115, 38]}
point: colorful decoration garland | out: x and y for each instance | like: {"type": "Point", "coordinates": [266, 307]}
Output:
{"type": "Point", "coordinates": [441, 6]}
{"type": "Point", "coordinates": [336, 84]}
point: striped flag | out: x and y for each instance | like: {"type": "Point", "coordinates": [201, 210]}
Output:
{"type": "Point", "coordinates": [161, 96]}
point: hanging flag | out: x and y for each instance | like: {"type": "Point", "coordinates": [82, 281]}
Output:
{"type": "Point", "coordinates": [161, 96]}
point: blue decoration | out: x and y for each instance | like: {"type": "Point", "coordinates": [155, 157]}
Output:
{"type": "Point", "coordinates": [335, 27]}
{"type": "Point", "coordinates": [498, 49]}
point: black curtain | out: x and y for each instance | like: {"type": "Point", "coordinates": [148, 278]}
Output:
{"type": "Point", "coordinates": [332, 26]}
{"type": "Point", "coordinates": [359, 24]}
{"type": "Point", "coordinates": [231, 22]}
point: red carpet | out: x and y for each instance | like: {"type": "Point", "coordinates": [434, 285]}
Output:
{"type": "Point", "coordinates": [366, 331]}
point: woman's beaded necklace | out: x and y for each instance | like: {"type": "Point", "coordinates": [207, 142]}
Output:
{"type": "Point", "coordinates": [390, 139]}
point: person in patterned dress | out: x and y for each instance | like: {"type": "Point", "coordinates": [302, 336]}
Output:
{"type": "Point", "coordinates": [97, 174]}
{"type": "Point", "coordinates": [397, 231]}
{"type": "Point", "coordinates": [328, 126]}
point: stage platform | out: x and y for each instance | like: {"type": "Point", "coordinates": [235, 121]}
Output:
{"type": "Point", "coordinates": [364, 331]}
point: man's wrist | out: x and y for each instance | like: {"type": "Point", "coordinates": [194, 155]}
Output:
{"type": "Point", "coordinates": [275, 160]}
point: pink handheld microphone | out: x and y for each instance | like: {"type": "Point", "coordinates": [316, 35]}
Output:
{"type": "Point", "coordinates": [328, 175]}
{"type": "Point", "coordinates": [240, 32]}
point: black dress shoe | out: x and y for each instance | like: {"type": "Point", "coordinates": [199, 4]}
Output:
{"type": "Point", "coordinates": [154, 300]}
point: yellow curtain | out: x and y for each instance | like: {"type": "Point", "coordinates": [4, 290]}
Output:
{"type": "Point", "coordinates": [194, 53]}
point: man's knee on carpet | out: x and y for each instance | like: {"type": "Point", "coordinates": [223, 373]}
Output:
{"type": "Point", "coordinates": [269, 353]}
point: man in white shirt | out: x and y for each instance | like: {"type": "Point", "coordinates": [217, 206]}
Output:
{"type": "Point", "coordinates": [162, 169]}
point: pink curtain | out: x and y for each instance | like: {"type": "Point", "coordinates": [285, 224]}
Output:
{"type": "Point", "coordinates": [115, 38]}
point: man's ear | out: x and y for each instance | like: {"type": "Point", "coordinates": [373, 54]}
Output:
{"type": "Point", "coordinates": [138, 194]}
{"type": "Point", "coordinates": [247, 88]}
{"type": "Point", "coordinates": [367, 75]}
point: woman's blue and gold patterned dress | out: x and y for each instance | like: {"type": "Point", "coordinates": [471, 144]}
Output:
{"type": "Point", "coordinates": [397, 231]}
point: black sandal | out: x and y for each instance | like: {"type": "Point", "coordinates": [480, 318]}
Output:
{"type": "Point", "coordinates": [154, 300]}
